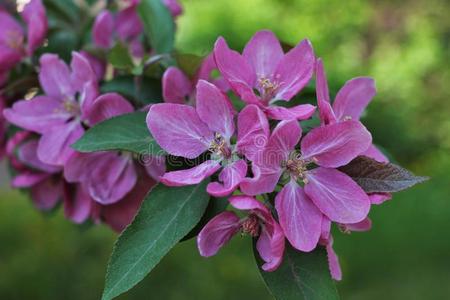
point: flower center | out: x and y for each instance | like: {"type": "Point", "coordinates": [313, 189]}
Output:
{"type": "Point", "coordinates": [71, 107]}
{"type": "Point", "coordinates": [268, 87]}
{"type": "Point", "coordinates": [296, 167]}
{"type": "Point", "coordinates": [250, 225]}
{"type": "Point", "coordinates": [220, 147]}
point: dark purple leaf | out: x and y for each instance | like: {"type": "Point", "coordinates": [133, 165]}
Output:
{"type": "Point", "coordinates": [376, 177]}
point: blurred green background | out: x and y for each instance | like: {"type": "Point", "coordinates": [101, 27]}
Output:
{"type": "Point", "coordinates": [404, 45]}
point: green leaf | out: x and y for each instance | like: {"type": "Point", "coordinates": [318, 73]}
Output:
{"type": "Point", "coordinates": [376, 177]}
{"type": "Point", "coordinates": [215, 207]}
{"type": "Point", "coordinates": [300, 276]}
{"type": "Point", "coordinates": [166, 216]}
{"type": "Point", "coordinates": [127, 132]}
{"type": "Point", "coordinates": [119, 57]}
{"type": "Point", "coordinates": [144, 90]}
{"type": "Point", "coordinates": [159, 26]}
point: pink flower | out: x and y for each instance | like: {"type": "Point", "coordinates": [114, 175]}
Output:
{"type": "Point", "coordinates": [350, 102]}
{"type": "Point", "coordinates": [326, 191]}
{"type": "Point", "coordinates": [12, 36]}
{"type": "Point", "coordinates": [174, 7]}
{"type": "Point", "coordinates": [124, 26]}
{"type": "Point", "coordinates": [71, 101]}
{"type": "Point", "coordinates": [178, 88]}
{"type": "Point", "coordinates": [44, 181]}
{"type": "Point", "coordinates": [185, 131]}
{"type": "Point", "coordinates": [120, 214]}
{"type": "Point", "coordinates": [264, 67]}
{"type": "Point", "coordinates": [258, 223]}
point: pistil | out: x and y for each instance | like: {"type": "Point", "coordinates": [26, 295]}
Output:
{"type": "Point", "coordinates": [220, 147]}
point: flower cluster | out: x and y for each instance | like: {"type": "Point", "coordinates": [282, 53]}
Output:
{"type": "Point", "coordinates": [103, 186]}
{"type": "Point", "coordinates": [283, 183]}
{"type": "Point", "coordinates": [236, 126]}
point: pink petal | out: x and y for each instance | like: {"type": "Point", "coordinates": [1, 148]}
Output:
{"type": "Point", "coordinates": [337, 195]}
{"type": "Point", "coordinates": [107, 106]}
{"type": "Point", "coordinates": [270, 246]}
{"type": "Point", "coordinates": [79, 166]}
{"type": "Point", "coordinates": [236, 71]}
{"type": "Point", "coordinates": [300, 219]}
{"type": "Point", "coordinates": [323, 97]}
{"type": "Point", "coordinates": [176, 86]}
{"type": "Point", "coordinates": [111, 180]}
{"type": "Point", "coordinates": [46, 194]}
{"type": "Point", "coordinates": [353, 97]}
{"type": "Point", "coordinates": [11, 41]}
{"type": "Point", "coordinates": [263, 52]}
{"type": "Point", "coordinates": [155, 166]}
{"type": "Point", "coordinates": [39, 115]}
{"type": "Point", "coordinates": [120, 214]}
{"type": "Point", "coordinates": [8, 58]}
{"type": "Point", "coordinates": [35, 17]}
{"type": "Point", "coordinates": [54, 145]}
{"type": "Point", "coordinates": [364, 225]}
{"type": "Point", "coordinates": [281, 143]}
{"type": "Point", "coordinates": [191, 176]}
{"type": "Point", "coordinates": [214, 109]}
{"type": "Point", "coordinates": [207, 66]}
{"type": "Point", "coordinates": [333, 262]}
{"type": "Point", "coordinates": [55, 77]}
{"type": "Point", "coordinates": [128, 24]}
{"type": "Point", "coordinates": [267, 164]}
{"type": "Point", "coordinates": [174, 7]}
{"type": "Point", "coordinates": [178, 129]}
{"type": "Point", "coordinates": [82, 71]}
{"type": "Point", "coordinates": [103, 29]}
{"type": "Point", "coordinates": [299, 112]}
{"type": "Point", "coordinates": [98, 65]}
{"type": "Point", "coordinates": [217, 233]}
{"type": "Point", "coordinates": [231, 176]}
{"type": "Point", "coordinates": [253, 131]}
{"type": "Point", "coordinates": [326, 230]}
{"type": "Point", "coordinates": [243, 202]}
{"type": "Point", "coordinates": [375, 153]}
{"type": "Point", "coordinates": [295, 70]}
{"type": "Point", "coordinates": [28, 179]}
{"type": "Point", "coordinates": [379, 198]}
{"type": "Point", "coordinates": [337, 144]}
{"type": "Point", "coordinates": [77, 204]}
{"type": "Point", "coordinates": [88, 95]}
{"type": "Point", "coordinates": [264, 181]}
{"type": "Point", "coordinates": [27, 154]}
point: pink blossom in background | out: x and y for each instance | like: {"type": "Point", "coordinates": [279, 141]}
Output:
{"type": "Point", "coordinates": [46, 186]}
{"type": "Point", "coordinates": [263, 66]}
{"type": "Point", "coordinates": [178, 88]}
{"type": "Point", "coordinates": [258, 223]}
{"type": "Point", "coordinates": [120, 214]}
{"type": "Point", "coordinates": [185, 131]}
{"type": "Point", "coordinates": [71, 101]}
{"type": "Point", "coordinates": [174, 7]}
{"type": "Point", "coordinates": [13, 47]}
{"type": "Point", "coordinates": [124, 26]}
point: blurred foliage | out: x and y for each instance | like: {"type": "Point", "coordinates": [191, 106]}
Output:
{"type": "Point", "coordinates": [404, 45]}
